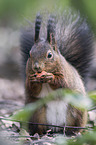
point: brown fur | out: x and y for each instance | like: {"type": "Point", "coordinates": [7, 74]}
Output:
{"type": "Point", "coordinates": [60, 60]}
{"type": "Point", "coordinates": [58, 73]}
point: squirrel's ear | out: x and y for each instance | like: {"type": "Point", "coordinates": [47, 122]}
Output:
{"type": "Point", "coordinates": [51, 31]}
{"type": "Point", "coordinates": [37, 26]}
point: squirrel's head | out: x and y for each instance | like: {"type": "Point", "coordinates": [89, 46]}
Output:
{"type": "Point", "coordinates": [44, 53]}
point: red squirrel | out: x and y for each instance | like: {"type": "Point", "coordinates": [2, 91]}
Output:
{"type": "Point", "coordinates": [56, 57]}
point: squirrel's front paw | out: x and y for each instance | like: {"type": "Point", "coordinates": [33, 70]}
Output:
{"type": "Point", "coordinates": [47, 78]}
{"type": "Point", "coordinates": [42, 77]}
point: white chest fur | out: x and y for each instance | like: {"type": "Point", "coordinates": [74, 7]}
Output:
{"type": "Point", "coordinates": [46, 89]}
{"type": "Point", "coordinates": [55, 110]}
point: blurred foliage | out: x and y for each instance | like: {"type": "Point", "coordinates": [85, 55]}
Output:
{"type": "Point", "coordinates": [14, 11]}
{"type": "Point", "coordinates": [70, 97]}
{"type": "Point", "coordinates": [87, 9]}
{"type": "Point", "coordinates": [92, 95]}
{"type": "Point", "coordinates": [89, 138]}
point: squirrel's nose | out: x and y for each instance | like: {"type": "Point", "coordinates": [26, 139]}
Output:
{"type": "Point", "coordinates": [37, 67]}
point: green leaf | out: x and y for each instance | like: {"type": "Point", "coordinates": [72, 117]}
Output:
{"type": "Point", "coordinates": [88, 139]}
{"type": "Point", "coordinates": [92, 95]}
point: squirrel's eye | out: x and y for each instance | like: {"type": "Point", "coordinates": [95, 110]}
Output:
{"type": "Point", "coordinates": [49, 55]}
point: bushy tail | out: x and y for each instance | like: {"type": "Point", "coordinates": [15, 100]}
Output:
{"type": "Point", "coordinates": [75, 41]}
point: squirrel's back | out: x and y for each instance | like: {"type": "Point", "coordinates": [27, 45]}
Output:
{"type": "Point", "coordinates": [73, 37]}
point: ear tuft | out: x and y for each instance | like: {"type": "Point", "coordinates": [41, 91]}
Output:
{"type": "Point", "coordinates": [37, 26]}
{"type": "Point", "coordinates": [51, 30]}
